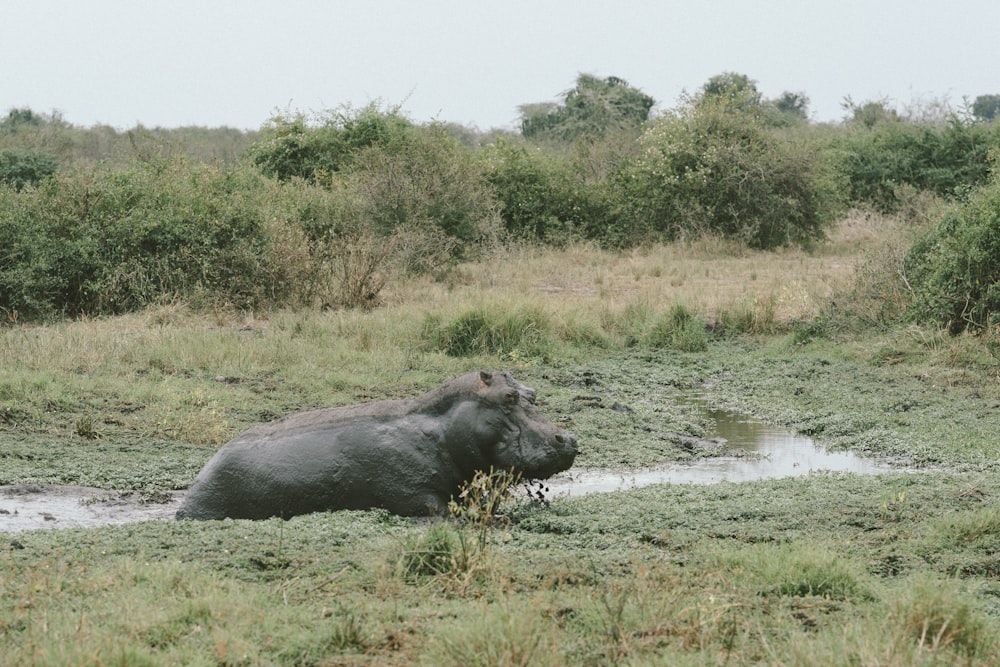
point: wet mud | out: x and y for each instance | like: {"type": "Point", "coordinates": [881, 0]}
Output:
{"type": "Point", "coordinates": [34, 506]}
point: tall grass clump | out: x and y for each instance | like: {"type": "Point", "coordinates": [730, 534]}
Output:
{"type": "Point", "coordinates": [509, 633]}
{"type": "Point", "coordinates": [753, 315]}
{"type": "Point", "coordinates": [936, 617]}
{"type": "Point", "coordinates": [798, 570]}
{"type": "Point", "coordinates": [119, 240]}
{"type": "Point", "coordinates": [491, 330]}
{"type": "Point", "coordinates": [679, 329]}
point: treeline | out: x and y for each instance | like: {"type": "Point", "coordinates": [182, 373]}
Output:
{"type": "Point", "coordinates": [322, 209]}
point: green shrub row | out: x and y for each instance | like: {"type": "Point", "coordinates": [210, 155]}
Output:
{"type": "Point", "coordinates": [940, 158]}
{"type": "Point", "coordinates": [325, 210]}
{"type": "Point", "coordinates": [119, 240]}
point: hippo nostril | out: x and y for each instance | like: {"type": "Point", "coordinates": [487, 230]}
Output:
{"type": "Point", "coordinates": [566, 439]}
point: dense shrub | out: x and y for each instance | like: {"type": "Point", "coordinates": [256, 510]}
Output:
{"type": "Point", "coordinates": [545, 198]}
{"type": "Point", "coordinates": [877, 159]}
{"type": "Point", "coordinates": [25, 167]}
{"type": "Point", "coordinates": [430, 186]}
{"type": "Point", "coordinates": [710, 168]}
{"type": "Point", "coordinates": [292, 145]}
{"type": "Point", "coordinates": [954, 270]}
{"type": "Point", "coordinates": [413, 195]}
{"type": "Point", "coordinates": [118, 240]}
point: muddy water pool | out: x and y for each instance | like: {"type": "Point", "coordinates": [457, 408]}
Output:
{"type": "Point", "coordinates": [749, 449]}
{"type": "Point", "coordinates": [34, 506]}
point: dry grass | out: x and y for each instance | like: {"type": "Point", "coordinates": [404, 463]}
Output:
{"type": "Point", "coordinates": [708, 276]}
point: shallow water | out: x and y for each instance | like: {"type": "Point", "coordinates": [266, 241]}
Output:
{"type": "Point", "coordinates": [753, 450]}
{"type": "Point", "coordinates": [33, 506]}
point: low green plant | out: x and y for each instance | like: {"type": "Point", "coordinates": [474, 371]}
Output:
{"type": "Point", "coordinates": [680, 330]}
{"type": "Point", "coordinates": [491, 330]}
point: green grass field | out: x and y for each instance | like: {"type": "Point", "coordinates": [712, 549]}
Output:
{"type": "Point", "coordinates": [895, 569]}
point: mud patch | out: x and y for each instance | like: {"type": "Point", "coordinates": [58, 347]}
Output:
{"type": "Point", "coordinates": [34, 506]}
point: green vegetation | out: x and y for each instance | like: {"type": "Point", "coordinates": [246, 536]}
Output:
{"type": "Point", "coordinates": [325, 210]}
{"type": "Point", "coordinates": [19, 168]}
{"type": "Point", "coordinates": [162, 290]}
{"type": "Point", "coordinates": [716, 168]}
{"type": "Point", "coordinates": [955, 268]}
{"type": "Point", "coordinates": [590, 109]}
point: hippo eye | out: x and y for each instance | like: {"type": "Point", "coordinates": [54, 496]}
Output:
{"type": "Point", "coordinates": [512, 397]}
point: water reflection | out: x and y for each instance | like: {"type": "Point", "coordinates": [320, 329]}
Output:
{"type": "Point", "coordinates": [755, 451]}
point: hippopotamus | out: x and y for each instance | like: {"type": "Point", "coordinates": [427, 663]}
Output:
{"type": "Point", "coordinates": [409, 456]}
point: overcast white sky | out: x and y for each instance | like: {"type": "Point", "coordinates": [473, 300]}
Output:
{"type": "Point", "coordinates": [225, 62]}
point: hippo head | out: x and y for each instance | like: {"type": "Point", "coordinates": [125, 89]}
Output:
{"type": "Point", "coordinates": [521, 438]}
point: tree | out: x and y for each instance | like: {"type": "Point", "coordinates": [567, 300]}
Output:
{"type": "Point", "coordinates": [590, 108]}
{"type": "Point", "coordinates": [986, 107]}
{"type": "Point", "coordinates": [793, 104]}
{"type": "Point", "coordinates": [731, 90]}
{"type": "Point", "coordinates": [871, 113]}
{"type": "Point", "coordinates": [19, 118]}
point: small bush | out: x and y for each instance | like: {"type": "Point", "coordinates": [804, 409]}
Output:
{"type": "Point", "coordinates": [545, 199]}
{"type": "Point", "coordinates": [954, 270]}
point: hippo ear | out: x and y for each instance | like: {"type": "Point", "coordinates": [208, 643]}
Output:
{"type": "Point", "coordinates": [486, 377]}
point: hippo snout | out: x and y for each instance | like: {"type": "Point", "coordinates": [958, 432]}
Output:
{"type": "Point", "coordinates": [568, 440]}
